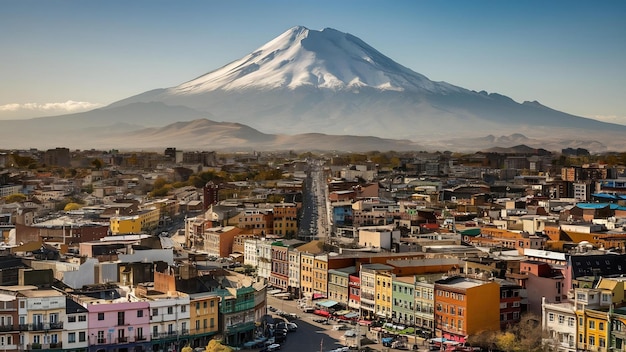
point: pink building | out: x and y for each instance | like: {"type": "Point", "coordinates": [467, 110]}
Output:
{"type": "Point", "coordinates": [542, 280]}
{"type": "Point", "coordinates": [118, 324]}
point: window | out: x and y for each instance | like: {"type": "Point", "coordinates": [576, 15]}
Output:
{"type": "Point", "coordinates": [601, 326]}
{"type": "Point", "coordinates": [101, 336]}
{"type": "Point", "coordinates": [155, 311]}
{"type": "Point", "coordinates": [100, 316]}
{"type": "Point", "coordinates": [561, 319]}
{"type": "Point", "coordinates": [155, 331]}
{"type": "Point", "coordinates": [592, 324]}
{"type": "Point", "coordinates": [121, 318]}
{"type": "Point", "coordinates": [570, 322]}
{"type": "Point", "coordinates": [139, 333]}
{"type": "Point", "coordinates": [82, 336]}
{"type": "Point", "coordinates": [170, 310]}
{"type": "Point", "coordinates": [82, 318]}
{"type": "Point", "coordinates": [212, 323]}
{"type": "Point", "coordinates": [550, 316]}
{"type": "Point", "coordinates": [139, 313]}
{"type": "Point", "coordinates": [592, 340]}
{"type": "Point", "coordinates": [197, 324]}
{"type": "Point", "coordinates": [204, 323]}
{"type": "Point", "coordinates": [183, 309]}
{"type": "Point", "coordinates": [71, 319]}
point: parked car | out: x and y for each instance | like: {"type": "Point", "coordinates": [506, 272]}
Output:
{"type": "Point", "coordinates": [292, 327]}
{"type": "Point", "coordinates": [272, 309]}
{"type": "Point", "coordinates": [280, 337]}
{"type": "Point", "coordinates": [273, 347]}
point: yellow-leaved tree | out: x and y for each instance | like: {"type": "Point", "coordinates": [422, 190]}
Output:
{"type": "Point", "coordinates": [216, 346]}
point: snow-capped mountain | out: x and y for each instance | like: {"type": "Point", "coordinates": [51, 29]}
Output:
{"type": "Point", "coordinates": [301, 57]}
{"type": "Point", "coordinates": [325, 82]}
{"type": "Point", "coordinates": [332, 82]}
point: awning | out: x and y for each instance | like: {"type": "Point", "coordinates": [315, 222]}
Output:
{"type": "Point", "coordinates": [327, 304]}
{"type": "Point", "coordinates": [321, 312]}
{"type": "Point", "coordinates": [365, 322]}
{"type": "Point", "coordinates": [351, 315]}
{"type": "Point", "coordinates": [318, 296]}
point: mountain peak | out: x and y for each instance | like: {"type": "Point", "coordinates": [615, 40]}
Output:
{"type": "Point", "coordinates": [301, 57]}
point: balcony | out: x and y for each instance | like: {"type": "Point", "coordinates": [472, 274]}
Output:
{"type": "Point", "coordinates": [40, 326]}
{"type": "Point", "coordinates": [45, 346]}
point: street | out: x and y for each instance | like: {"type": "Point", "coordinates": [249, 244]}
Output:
{"type": "Point", "coordinates": [315, 337]}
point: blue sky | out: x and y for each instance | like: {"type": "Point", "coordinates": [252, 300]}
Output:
{"type": "Point", "coordinates": [70, 55]}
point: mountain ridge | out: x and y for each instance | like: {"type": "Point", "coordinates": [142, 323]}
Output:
{"type": "Point", "coordinates": [327, 82]}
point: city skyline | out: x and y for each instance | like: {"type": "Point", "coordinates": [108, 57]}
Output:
{"type": "Point", "coordinates": [70, 56]}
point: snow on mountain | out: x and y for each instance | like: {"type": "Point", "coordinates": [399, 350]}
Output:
{"type": "Point", "coordinates": [301, 57]}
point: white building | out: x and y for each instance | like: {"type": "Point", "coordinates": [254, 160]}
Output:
{"type": "Point", "coordinates": [559, 322]}
{"type": "Point", "coordinates": [75, 327]}
{"type": "Point", "coordinates": [294, 271]}
{"type": "Point", "coordinates": [264, 257]}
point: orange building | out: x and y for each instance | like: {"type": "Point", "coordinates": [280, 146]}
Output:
{"type": "Point", "coordinates": [465, 306]}
{"type": "Point", "coordinates": [285, 219]}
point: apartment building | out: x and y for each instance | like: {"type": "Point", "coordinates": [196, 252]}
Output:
{"type": "Point", "coordinates": [465, 306]}
{"type": "Point", "coordinates": [41, 314]}
{"type": "Point", "coordinates": [203, 317]}
{"type": "Point", "coordinates": [338, 285]}
{"type": "Point", "coordinates": [384, 293]}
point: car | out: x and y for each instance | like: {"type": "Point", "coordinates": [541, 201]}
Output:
{"type": "Point", "coordinates": [340, 327]}
{"type": "Point", "coordinates": [272, 309]}
{"type": "Point", "coordinates": [270, 341]}
{"type": "Point", "coordinates": [280, 337]}
{"type": "Point", "coordinates": [273, 347]}
{"type": "Point", "coordinates": [349, 333]}
{"type": "Point", "coordinates": [292, 327]}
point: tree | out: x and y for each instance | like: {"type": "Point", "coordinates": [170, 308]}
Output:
{"type": "Point", "coordinates": [187, 349]}
{"type": "Point", "coordinates": [97, 163]}
{"type": "Point", "coordinates": [71, 206]}
{"type": "Point", "coordinates": [15, 198]}
{"type": "Point", "coordinates": [216, 346]}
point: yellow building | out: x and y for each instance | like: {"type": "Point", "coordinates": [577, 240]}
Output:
{"type": "Point", "coordinates": [285, 219]}
{"type": "Point", "coordinates": [593, 307]}
{"type": "Point", "coordinates": [306, 273]}
{"type": "Point", "coordinates": [146, 220]}
{"type": "Point", "coordinates": [384, 292]}
{"type": "Point", "coordinates": [203, 315]}
{"type": "Point", "coordinates": [320, 274]}
{"type": "Point", "coordinates": [44, 312]}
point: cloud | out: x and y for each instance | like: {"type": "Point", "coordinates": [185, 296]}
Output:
{"type": "Point", "coordinates": [66, 107]}
{"type": "Point", "coordinates": [611, 118]}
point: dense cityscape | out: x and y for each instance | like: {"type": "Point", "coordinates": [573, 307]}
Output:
{"type": "Point", "coordinates": [520, 249]}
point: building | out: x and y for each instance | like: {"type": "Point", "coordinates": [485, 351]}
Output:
{"type": "Point", "coordinates": [117, 323]}
{"type": "Point", "coordinates": [403, 300]}
{"type": "Point", "coordinates": [338, 285]}
{"type": "Point", "coordinates": [203, 317]}
{"type": "Point", "coordinates": [75, 328]}
{"type": "Point", "coordinates": [558, 320]}
{"type": "Point", "coordinates": [384, 293]}
{"type": "Point", "coordinates": [218, 241]}
{"type": "Point", "coordinates": [42, 315]}
{"type": "Point", "coordinates": [285, 220]}
{"type": "Point", "coordinates": [368, 288]}
{"type": "Point", "coordinates": [465, 306]}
